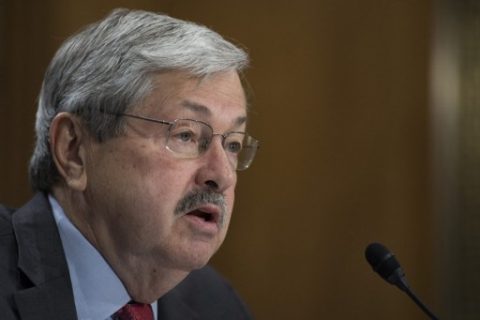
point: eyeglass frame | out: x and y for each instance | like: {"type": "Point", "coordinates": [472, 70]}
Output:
{"type": "Point", "coordinates": [255, 143]}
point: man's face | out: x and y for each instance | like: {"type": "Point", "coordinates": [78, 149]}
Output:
{"type": "Point", "coordinates": [136, 187]}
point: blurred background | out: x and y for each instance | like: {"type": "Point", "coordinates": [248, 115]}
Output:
{"type": "Point", "coordinates": [368, 117]}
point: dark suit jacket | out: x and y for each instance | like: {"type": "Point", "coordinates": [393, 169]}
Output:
{"type": "Point", "coordinates": [35, 283]}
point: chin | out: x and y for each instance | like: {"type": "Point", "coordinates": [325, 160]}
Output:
{"type": "Point", "coordinates": [196, 262]}
{"type": "Point", "coordinates": [196, 258]}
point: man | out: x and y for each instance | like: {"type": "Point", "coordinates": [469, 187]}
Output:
{"type": "Point", "coordinates": [140, 131]}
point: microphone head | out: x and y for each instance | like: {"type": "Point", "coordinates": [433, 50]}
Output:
{"type": "Point", "coordinates": [385, 264]}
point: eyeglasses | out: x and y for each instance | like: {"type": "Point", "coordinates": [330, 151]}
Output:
{"type": "Point", "coordinates": [188, 138]}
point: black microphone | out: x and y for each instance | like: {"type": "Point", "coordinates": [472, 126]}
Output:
{"type": "Point", "coordinates": [386, 265]}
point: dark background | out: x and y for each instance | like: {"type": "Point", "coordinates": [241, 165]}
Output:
{"type": "Point", "coordinates": [343, 108]}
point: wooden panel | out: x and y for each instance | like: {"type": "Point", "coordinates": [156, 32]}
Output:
{"type": "Point", "coordinates": [340, 106]}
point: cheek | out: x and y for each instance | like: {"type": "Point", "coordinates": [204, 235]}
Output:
{"type": "Point", "coordinates": [140, 160]}
{"type": "Point", "coordinates": [159, 179]}
{"type": "Point", "coordinates": [230, 199]}
{"type": "Point", "coordinates": [133, 174]}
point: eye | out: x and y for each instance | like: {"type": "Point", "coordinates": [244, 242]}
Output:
{"type": "Point", "coordinates": [185, 136]}
{"type": "Point", "coordinates": [233, 146]}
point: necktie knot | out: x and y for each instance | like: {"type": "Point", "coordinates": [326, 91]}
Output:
{"type": "Point", "coordinates": [134, 311]}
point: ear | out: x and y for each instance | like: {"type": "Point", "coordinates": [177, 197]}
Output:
{"type": "Point", "coordinates": [68, 143]}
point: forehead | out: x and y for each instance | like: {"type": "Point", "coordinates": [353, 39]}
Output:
{"type": "Point", "coordinates": [176, 94]}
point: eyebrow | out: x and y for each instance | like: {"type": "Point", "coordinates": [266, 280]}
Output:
{"type": "Point", "coordinates": [200, 108]}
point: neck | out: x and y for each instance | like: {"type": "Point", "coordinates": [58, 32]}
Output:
{"type": "Point", "coordinates": [146, 284]}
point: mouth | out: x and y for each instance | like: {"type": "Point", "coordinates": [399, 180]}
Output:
{"type": "Point", "coordinates": [204, 215]}
{"type": "Point", "coordinates": [208, 218]}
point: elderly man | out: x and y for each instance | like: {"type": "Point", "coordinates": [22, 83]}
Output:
{"type": "Point", "coordinates": [140, 131]}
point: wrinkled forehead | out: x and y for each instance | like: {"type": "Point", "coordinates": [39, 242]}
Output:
{"type": "Point", "coordinates": [178, 94]}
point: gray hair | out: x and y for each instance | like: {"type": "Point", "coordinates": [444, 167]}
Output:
{"type": "Point", "coordinates": [108, 67]}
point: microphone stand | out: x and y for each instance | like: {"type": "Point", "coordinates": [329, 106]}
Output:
{"type": "Point", "coordinates": [420, 304]}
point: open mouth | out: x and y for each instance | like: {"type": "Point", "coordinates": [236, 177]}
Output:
{"type": "Point", "coordinates": [205, 216]}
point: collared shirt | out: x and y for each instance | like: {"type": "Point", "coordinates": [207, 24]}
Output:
{"type": "Point", "coordinates": [97, 291]}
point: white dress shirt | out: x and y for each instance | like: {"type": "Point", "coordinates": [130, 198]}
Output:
{"type": "Point", "coordinates": [97, 291]}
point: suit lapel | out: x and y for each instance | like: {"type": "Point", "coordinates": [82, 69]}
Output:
{"type": "Point", "coordinates": [42, 260]}
{"type": "Point", "coordinates": [172, 307]}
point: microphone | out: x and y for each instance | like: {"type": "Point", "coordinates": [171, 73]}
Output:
{"type": "Point", "coordinates": [386, 265]}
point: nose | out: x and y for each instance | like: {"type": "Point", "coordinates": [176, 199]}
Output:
{"type": "Point", "coordinates": [216, 171]}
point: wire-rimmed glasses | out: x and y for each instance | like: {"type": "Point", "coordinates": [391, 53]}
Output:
{"type": "Point", "coordinates": [188, 138]}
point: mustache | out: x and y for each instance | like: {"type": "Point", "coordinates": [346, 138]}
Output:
{"type": "Point", "coordinates": [197, 198]}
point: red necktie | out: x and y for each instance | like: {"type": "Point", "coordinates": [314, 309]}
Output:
{"type": "Point", "coordinates": [134, 311]}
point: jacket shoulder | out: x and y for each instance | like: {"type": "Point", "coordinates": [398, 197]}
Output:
{"type": "Point", "coordinates": [5, 220]}
{"type": "Point", "coordinates": [8, 244]}
{"type": "Point", "coordinates": [208, 295]}
{"type": "Point", "coordinates": [10, 277]}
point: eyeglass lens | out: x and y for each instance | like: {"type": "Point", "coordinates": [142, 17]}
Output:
{"type": "Point", "coordinates": [190, 138]}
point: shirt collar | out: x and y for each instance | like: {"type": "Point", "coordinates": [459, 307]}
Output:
{"type": "Point", "coordinates": [97, 291]}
